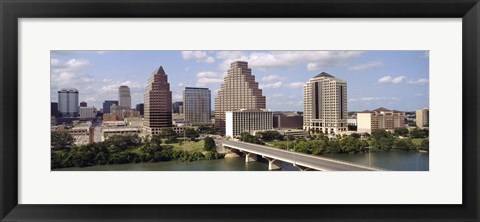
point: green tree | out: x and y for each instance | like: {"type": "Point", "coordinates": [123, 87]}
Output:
{"type": "Point", "coordinates": [403, 144]}
{"type": "Point", "coordinates": [156, 139]}
{"type": "Point", "coordinates": [207, 129]}
{"type": "Point", "coordinates": [356, 135]}
{"type": "Point", "coordinates": [171, 139]}
{"type": "Point", "coordinates": [246, 137]}
{"type": "Point", "coordinates": [61, 140]}
{"type": "Point", "coordinates": [167, 132]}
{"type": "Point", "coordinates": [209, 144]}
{"type": "Point", "coordinates": [350, 145]}
{"type": "Point", "coordinates": [191, 133]}
{"type": "Point", "coordinates": [270, 135]}
{"type": "Point", "coordinates": [401, 131]}
{"type": "Point", "coordinates": [424, 145]}
{"type": "Point", "coordinates": [418, 133]}
{"type": "Point", "coordinates": [382, 140]}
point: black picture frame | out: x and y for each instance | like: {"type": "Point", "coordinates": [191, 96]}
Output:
{"type": "Point", "coordinates": [12, 10]}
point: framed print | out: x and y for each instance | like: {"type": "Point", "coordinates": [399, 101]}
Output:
{"type": "Point", "coordinates": [225, 110]}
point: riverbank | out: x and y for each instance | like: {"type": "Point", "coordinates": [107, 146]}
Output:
{"type": "Point", "coordinates": [391, 160]}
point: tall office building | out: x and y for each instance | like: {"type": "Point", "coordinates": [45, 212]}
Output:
{"type": "Point", "coordinates": [140, 108]}
{"type": "Point", "coordinates": [422, 117]}
{"type": "Point", "coordinates": [238, 91]}
{"type": "Point", "coordinates": [107, 104]}
{"type": "Point", "coordinates": [325, 104]}
{"type": "Point", "coordinates": [177, 107]}
{"type": "Point", "coordinates": [196, 106]}
{"type": "Point", "coordinates": [68, 102]}
{"type": "Point", "coordinates": [158, 102]}
{"type": "Point", "coordinates": [124, 97]}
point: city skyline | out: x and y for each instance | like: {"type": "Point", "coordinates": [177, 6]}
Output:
{"type": "Point", "coordinates": [392, 79]}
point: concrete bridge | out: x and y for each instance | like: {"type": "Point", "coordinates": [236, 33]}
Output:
{"type": "Point", "coordinates": [299, 160]}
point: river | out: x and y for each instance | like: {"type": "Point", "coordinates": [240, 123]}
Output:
{"type": "Point", "coordinates": [393, 160]}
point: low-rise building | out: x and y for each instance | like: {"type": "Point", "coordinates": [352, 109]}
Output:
{"type": "Point", "coordinates": [118, 123]}
{"type": "Point", "coordinates": [111, 117]}
{"type": "Point", "coordinates": [237, 122]}
{"type": "Point", "coordinates": [293, 132]}
{"type": "Point", "coordinates": [82, 133]}
{"type": "Point", "coordinates": [287, 121]}
{"type": "Point", "coordinates": [88, 113]}
{"type": "Point", "coordinates": [120, 130]}
{"type": "Point", "coordinates": [381, 118]}
{"type": "Point", "coordinates": [352, 122]}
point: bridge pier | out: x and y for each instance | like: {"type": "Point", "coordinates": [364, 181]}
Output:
{"type": "Point", "coordinates": [273, 164]}
{"type": "Point", "coordinates": [302, 168]}
{"type": "Point", "coordinates": [250, 157]}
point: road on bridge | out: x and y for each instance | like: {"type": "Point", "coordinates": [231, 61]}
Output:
{"type": "Point", "coordinates": [314, 162]}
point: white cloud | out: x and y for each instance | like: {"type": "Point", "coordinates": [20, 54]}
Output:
{"type": "Point", "coordinates": [135, 87]}
{"type": "Point", "coordinates": [206, 78]}
{"type": "Point", "coordinates": [272, 85]}
{"type": "Point", "coordinates": [369, 99]}
{"type": "Point", "coordinates": [199, 56]}
{"type": "Point", "coordinates": [178, 96]}
{"type": "Point", "coordinates": [390, 79]}
{"type": "Point", "coordinates": [229, 54]}
{"type": "Point", "coordinates": [271, 78]}
{"type": "Point", "coordinates": [278, 95]}
{"type": "Point", "coordinates": [313, 66]}
{"type": "Point", "coordinates": [419, 94]}
{"type": "Point", "coordinates": [295, 84]}
{"type": "Point", "coordinates": [366, 66]}
{"type": "Point", "coordinates": [67, 74]}
{"type": "Point", "coordinates": [58, 66]}
{"type": "Point", "coordinates": [207, 75]}
{"type": "Point", "coordinates": [276, 59]}
{"type": "Point", "coordinates": [421, 81]}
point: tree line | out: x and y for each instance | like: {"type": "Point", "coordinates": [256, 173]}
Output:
{"type": "Point", "coordinates": [320, 144]}
{"type": "Point", "coordinates": [121, 149]}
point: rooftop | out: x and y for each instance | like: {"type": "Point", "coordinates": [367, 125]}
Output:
{"type": "Point", "coordinates": [159, 71]}
{"type": "Point", "coordinates": [324, 74]}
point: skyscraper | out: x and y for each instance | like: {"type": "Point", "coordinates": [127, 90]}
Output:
{"type": "Point", "coordinates": [140, 108]}
{"type": "Point", "coordinates": [158, 102]}
{"type": "Point", "coordinates": [178, 107]}
{"type": "Point", "coordinates": [325, 104]}
{"type": "Point", "coordinates": [238, 91]}
{"type": "Point", "coordinates": [196, 106]}
{"type": "Point", "coordinates": [54, 109]}
{"type": "Point", "coordinates": [124, 98]}
{"type": "Point", "coordinates": [68, 102]}
{"type": "Point", "coordinates": [107, 104]}
{"type": "Point", "coordinates": [83, 104]}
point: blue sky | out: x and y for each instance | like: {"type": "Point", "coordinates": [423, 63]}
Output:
{"type": "Point", "coordinates": [391, 79]}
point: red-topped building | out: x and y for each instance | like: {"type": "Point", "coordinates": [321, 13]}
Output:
{"type": "Point", "coordinates": [158, 102]}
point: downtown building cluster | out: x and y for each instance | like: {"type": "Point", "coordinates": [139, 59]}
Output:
{"type": "Point", "coordinates": [240, 106]}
